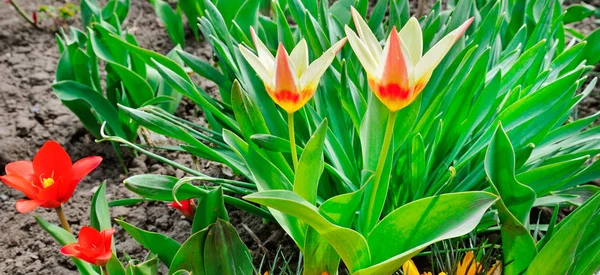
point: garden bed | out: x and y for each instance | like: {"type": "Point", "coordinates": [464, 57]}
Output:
{"type": "Point", "coordinates": [30, 114]}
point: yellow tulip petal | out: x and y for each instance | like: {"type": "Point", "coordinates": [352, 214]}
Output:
{"type": "Point", "coordinates": [434, 56]}
{"type": "Point", "coordinates": [257, 65]}
{"type": "Point", "coordinates": [412, 37]}
{"type": "Point", "coordinates": [263, 52]}
{"type": "Point", "coordinates": [365, 33]}
{"type": "Point", "coordinates": [362, 52]}
{"type": "Point", "coordinates": [299, 57]}
{"type": "Point", "coordinates": [409, 268]}
{"type": "Point", "coordinates": [310, 79]}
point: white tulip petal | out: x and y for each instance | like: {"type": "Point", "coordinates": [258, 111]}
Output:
{"type": "Point", "coordinates": [412, 36]}
{"type": "Point", "coordinates": [265, 74]}
{"type": "Point", "coordinates": [310, 79]}
{"type": "Point", "coordinates": [434, 56]}
{"type": "Point", "coordinates": [362, 52]}
{"type": "Point", "coordinates": [365, 33]}
{"type": "Point", "coordinates": [263, 52]}
{"type": "Point", "coordinates": [299, 57]}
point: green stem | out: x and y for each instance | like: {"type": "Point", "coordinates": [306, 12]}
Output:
{"type": "Point", "coordinates": [372, 208]}
{"type": "Point", "coordinates": [62, 218]}
{"type": "Point", "coordinates": [23, 13]}
{"type": "Point", "coordinates": [104, 270]}
{"type": "Point", "coordinates": [292, 139]}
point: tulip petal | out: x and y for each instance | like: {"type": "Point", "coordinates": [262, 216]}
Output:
{"type": "Point", "coordinates": [434, 56]}
{"type": "Point", "coordinates": [52, 161]}
{"type": "Point", "coordinates": [392, 66]}
{"type": "Point", "coordinates": [409, 268]}
{"type": "Point", "coordinates": [286, 92]}
{"type": "Point", "coordinates": [25, 206]}
{"type": "Point", "coordinates": [299, 57]}
{"type": "Point", "coordinates": [107, 237]}
{"type": "Point", "coordinates": [256, 64]}
{"type": "Point", "coordinates": [412, 36]}
{"type": "Point", "coordinates": [21, 184]}
{"type": "Point", "coordinates": [89, 237]}
{"type": "Point", "coordinates": [84, 166]}
{"type": "Point", "coordinates": [70, 250]}
{"type": "Point", "coordinates": [365, 33]}
{"type": "Point", "coordinates": [310, 79]}
{"type": "Point", "coordinates": [263, 52]}
{"type": "Point", "coordinates": [367, 60]}
{"type": "Point", "coordinates": [23, 168]}
{"type": "Point", "coordinates": [103, 258]}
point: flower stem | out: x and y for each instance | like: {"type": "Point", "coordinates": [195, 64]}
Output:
{"type": "Point", "coordinates": [292, 139]}
{"type": "Point", "coordinates": [104, 270]}
{"type": "Point", "coordinates": [62, 218]}
{"type": "Point", "coordinates": [23, 13]}
{"type": "Point", "coordinates": [371, 209]}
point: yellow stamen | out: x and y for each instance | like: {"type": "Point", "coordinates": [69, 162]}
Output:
{"type": "Point", "coordinates": [47, 182]}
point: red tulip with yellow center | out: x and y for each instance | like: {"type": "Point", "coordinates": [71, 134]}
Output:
{"type": "Point", "coordinates": [48, 181]}
{"type": "Point", "coordinates": [399, 72]}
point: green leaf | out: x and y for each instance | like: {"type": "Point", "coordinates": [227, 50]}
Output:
{"type": "Point", "coordinates": [69, 90]}
{"type": "Point", "coordinates": [190, 256]}
{"type": "Point", "coordinates": [350, 245]}
{"type": "Point", "coordinates": [148, 267]}
{"type": "Point", "coordinates": [63, 237]}
{"type": "Point", "coordinates": [578, 12]}
{"type": "Point", "coordinates": [210, 208]}
{"type": "Point", "coordinates": [561, 249]}
{"type": "Point", "coordinates": [171, 20]}
{"type": "Point", "coordinates": [99, 213]}
{"type": "Point", "coordinates": [310, 166]}
{"type": "Point", "coordinates": [205, 70]}
{"type": "Point", "coordinates": [514, 205]}
{"type": "Point", "coordinates": [414, 226]}
{"type": "Point", "coordinates": [224, 251]}
{"type": "Point", "coordinates": [158, 244]}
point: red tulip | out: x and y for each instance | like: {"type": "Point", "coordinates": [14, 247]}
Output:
{"type": "Point", "coordinates": [48, 181]}
{"type": "Point", "coordinates": [92, 246]}
{"type": "Point", "coordinates": [186, 207]}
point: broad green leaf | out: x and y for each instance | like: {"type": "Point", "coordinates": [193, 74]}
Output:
{"type": "Point", "coordinates": [99, 213]}
{"type": "Point", "coordinates": [412, 227]}
{"type": "Point", "coordinates": [171, 20]}
{"type": "Point", "coordinates": [190, 256]}
{"type": "Point", "coordinates": [158, 244]}
{"type": "Point", "coordinates": [514, 205]}
{"type": "Point", "coordinates": [148, 267]}
{"type": "Point", "coordinates": [210, 208]}
{"type": "Point", "coordinates": [350, 245]}
{"type": "Point", "coordinates": [310, 166]}
{"type": "Point", "coordinates": [224, 251]}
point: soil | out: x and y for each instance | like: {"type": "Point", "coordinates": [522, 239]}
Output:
{"type": "Point", "coordinates": [30, 114]}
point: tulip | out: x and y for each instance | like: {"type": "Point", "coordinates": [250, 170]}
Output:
{"type": "Point", "coordinates": [48, 181]}
{"type": "Point", "coordinates": [399, 72]}
{"type": "Point", "coordinates": [289, 79]}
{"type": "Point", "coordinates": [396, 75]}
{"type": "Point", "coordinates": [186, 207]}
{"type": "Point", "coordinates": [92, 246]}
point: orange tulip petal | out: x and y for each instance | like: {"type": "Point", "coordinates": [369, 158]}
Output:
{"type": "Point", "coordinates": [107, 237]}
{"type": "Point", "coordinates": [285, 93]}
{"type": "Point", "coordinates": [25, 206]}
{"type": "Point", "coordinates": [21, 184]}
{"type": "Point", "coordinates": [22, 168]}
{"type": "Point", "coordinates": [89, 237]}
{"type": "Point", "coordinates": [52, 161]}
{"type": "Point", "coordinates": [71, 250]}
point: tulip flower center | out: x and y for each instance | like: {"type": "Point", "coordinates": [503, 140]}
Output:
{"type": "Point", "coordinates": [47, 182]}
